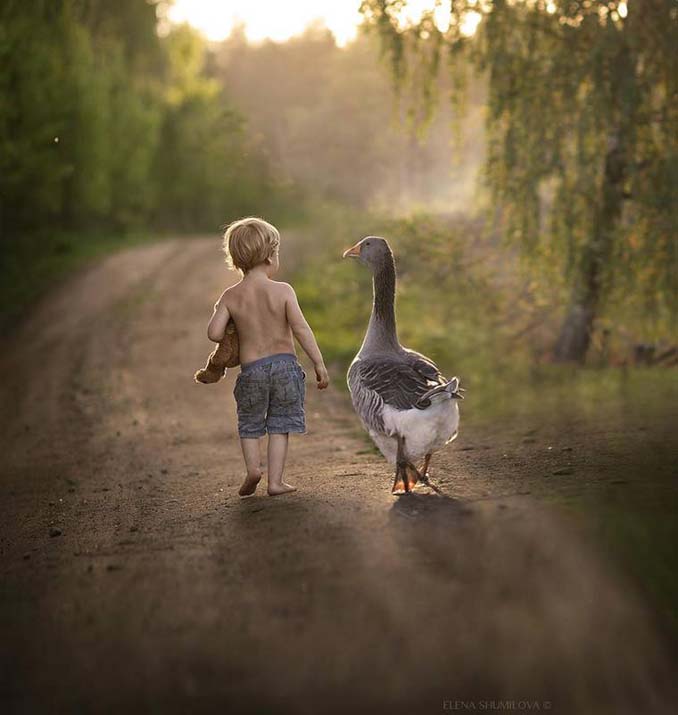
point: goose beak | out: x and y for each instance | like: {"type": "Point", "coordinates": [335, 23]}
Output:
{"type": "Point", "coordinates": [353, 252]}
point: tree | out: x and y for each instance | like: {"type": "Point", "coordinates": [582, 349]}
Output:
{"type": "Point", "coordinates": [582, 129]}
{"type": "Point", "coordinates": [106, 124]}
{"type": "Point", "coordinates": [77, 119]}
{"type": "Point", "coordinates": [207, 169]}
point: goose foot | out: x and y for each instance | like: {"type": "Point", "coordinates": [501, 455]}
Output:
{"type": "Point", "coordinates": [406, 474]}
{"type": "Point", "coordinates": [406, 478]}
{"type": "Point", "coordinates": [431, 485]}
{"type": "Point", "coordinates": [424, 475]}
{"type": "Point", "coordinates": [400, 480]}
{"type": "Point", "coordinates": [424, 468]}
{"type": "Point", "coordinates": [413, 475]}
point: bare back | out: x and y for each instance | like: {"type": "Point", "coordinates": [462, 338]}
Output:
{"type": "Point", "coordinates": [258, 308]}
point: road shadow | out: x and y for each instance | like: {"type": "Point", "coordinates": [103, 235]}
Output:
{"type": "Point", "coordinates": [439, 508]}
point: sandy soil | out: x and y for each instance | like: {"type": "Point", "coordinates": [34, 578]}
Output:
{"type": "Point", "coordinates": [133, 579]}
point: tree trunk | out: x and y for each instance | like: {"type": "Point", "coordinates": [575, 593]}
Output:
{"type": "Point", "coordinates": [575, 333]}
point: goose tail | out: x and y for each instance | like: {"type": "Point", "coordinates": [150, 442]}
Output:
{"type": "Point", "coordinates": [450, 390]}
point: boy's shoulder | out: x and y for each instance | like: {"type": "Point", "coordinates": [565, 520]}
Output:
{"type": "Point", "coordinates": [230, 290]}
{"type": "Point", "coordinates": [281, 289]}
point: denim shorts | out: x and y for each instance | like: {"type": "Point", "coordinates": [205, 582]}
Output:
{"type": "Point", "coordinates": [269, 394]}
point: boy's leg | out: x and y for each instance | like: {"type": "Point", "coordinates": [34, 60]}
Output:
{"type": "Point", "coordinates": [277, 453]}
{"type": "Point", "coordinates": [252, 455]}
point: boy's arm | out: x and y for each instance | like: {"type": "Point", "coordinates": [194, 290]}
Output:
{"type": "Point", "coordinates": [303, 333]}
{"type": "Point", "coordinates": [217, 325]}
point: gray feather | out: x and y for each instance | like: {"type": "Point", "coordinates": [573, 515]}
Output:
{"type": "Point", "coordinates": [367, 402]}
{"type": "Point", "coordinates": [400, 380]}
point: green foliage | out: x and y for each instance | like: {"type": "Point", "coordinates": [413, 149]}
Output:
{"type": "Point", "coordinates": [105, 124]}
{"type": "Point", "coordinates": [42, 259]}
{"type": "Point", "coordinates": [63, 100]}
{"type": "Point", "coordinates": [582, 123]}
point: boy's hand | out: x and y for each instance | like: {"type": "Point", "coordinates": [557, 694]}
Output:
{"type": "Point", "coordinates": [321, 376]}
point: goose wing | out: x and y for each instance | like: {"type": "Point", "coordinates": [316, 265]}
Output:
{"type": "Point", "coordinates": [425, 367]}
{"type": "Point", "coordinates": [368, 403]}
{"type": "Point", "coordinates": [399, 381]}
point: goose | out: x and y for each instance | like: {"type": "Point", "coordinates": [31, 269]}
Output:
{"type": "Point", "coordinates": [403, 401]}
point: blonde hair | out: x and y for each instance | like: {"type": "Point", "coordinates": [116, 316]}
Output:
{"type": "Point", "coordinates": [249, 242]}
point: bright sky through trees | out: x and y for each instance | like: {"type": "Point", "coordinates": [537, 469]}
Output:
{"type": "Point", "coordinates": [271, 19]}
{"type": "Point", "coordinates": [267, 18]}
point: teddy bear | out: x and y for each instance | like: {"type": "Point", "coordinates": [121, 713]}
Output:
{"type": "Point", "coordinates": [225, 355]}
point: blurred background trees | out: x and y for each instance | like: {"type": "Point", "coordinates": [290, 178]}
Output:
{"type": "Point", "coordinates": [329, 119]}
{"type": "Point", "coordinates": [105, 124]}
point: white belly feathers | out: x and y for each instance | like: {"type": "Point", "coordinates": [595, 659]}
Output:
{"type": "Point", "coordinates": [426, 430]}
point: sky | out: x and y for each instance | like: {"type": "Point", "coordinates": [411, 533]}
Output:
{"type": "Point", "coordinates": [281, 19]}
{"type": "Point", "coordinates": [274, 19]}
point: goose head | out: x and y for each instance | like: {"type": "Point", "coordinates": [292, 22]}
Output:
{"type": "Point", "coordinates": [373, 251]}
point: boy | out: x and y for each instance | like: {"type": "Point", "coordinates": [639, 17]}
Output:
{"type": "Point", "coordinates": [269, 391]}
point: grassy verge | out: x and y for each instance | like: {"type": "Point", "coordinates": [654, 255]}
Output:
{"type": "Point", "coordinates": [463, 300]}
{"type": "Point", "coordinates": [640, 536]}
{"type": "Point", "coordinates": [32, 264]}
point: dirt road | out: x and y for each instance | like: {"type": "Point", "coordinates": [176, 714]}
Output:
{"type": "Point", "coordinates": [133, 579]}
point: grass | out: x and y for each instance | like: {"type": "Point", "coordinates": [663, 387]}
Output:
{"type": "Point", "coordinates": [631, 515]}
{"type": "Point", "coordinates": [623, 491]}
{"type": "Point", "coordinates": [641, 539]}
{"type": "Point", "coordinates": [37, 262]}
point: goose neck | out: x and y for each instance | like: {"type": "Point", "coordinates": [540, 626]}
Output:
{"type": "Point", "coordinates": [381, 332]}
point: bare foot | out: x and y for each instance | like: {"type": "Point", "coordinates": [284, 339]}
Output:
{"type": "Point", "coordinates": [249, 486]}
{"type": "Point", "coordinates": [282, 488]}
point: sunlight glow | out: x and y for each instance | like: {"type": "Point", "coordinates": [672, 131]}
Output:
{"type": "Point", "coordinates": [470, 23]}
{"type": "Point", "coordinates": [412, 13]}
{"type": "Point", "coordinates": [442, 16]}
{"type": "Point", "coordinates": [267, 19]}
{"type": "Point", "coordinates": [271, 19]}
